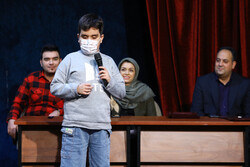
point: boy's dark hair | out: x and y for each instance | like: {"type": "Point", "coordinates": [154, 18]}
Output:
{"type": "Point", "coordinates": [50, 48]}
{"type": "Point", "coordinates": [90, 20]}
{"type": "Point", "coordinates": [234, 54]}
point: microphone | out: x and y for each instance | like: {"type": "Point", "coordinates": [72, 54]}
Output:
{"type": "Point", "coordinates": [98, 60]}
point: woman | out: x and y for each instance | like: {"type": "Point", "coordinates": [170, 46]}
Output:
{"type": "Point", "coordinates": [139, 99]}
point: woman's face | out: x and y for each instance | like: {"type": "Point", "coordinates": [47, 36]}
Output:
{"type": "Point", "coordinates": [127, 71]}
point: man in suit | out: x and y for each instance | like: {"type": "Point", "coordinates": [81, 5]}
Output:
{"type": "Point", "coordinates": [223, 92]}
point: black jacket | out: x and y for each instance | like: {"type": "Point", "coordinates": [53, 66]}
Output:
{"type": "Point", "coordinates": [206, 96]}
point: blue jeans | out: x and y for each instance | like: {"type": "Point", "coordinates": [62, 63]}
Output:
{"type": "Point", "coordinates": [76, 141]}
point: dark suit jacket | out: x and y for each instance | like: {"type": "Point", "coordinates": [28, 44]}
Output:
{"type": "Point", "coordinates": [206, 96]}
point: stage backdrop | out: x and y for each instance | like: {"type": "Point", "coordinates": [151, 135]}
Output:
{"type": "Point", "coordinates": [25, 26]}
{"type": "Point", "coordinates": [185, 37]}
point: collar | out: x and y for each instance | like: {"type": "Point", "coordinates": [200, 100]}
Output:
{"type": "Point", "coordinates": [41, 75]}
{"type": "Point", "coordinates": [230, 80]}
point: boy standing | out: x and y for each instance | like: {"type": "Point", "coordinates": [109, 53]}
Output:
{"type": "Point", "coordinates": [79, 81]}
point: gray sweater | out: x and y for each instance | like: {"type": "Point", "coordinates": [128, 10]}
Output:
{"type": "Point", "coordinates": [92, 111]}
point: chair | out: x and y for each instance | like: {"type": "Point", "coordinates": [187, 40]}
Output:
{"type": "Point", "coordinates": [158, 109]}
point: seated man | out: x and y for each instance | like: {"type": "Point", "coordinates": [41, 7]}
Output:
{"type": "Point", "coordinates": [223, 92]}
{"type": "Point", "coordinates": [33, 96]}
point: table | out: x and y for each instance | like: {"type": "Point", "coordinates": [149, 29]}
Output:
{"type": "Point", "coordinates": [160, 141]}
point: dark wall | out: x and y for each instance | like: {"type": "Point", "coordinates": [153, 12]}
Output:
{"type": "Point", "coordinates": [25, 26]}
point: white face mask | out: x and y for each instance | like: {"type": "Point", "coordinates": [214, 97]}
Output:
{"type": "Point", "coordinates": [89, 46]}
